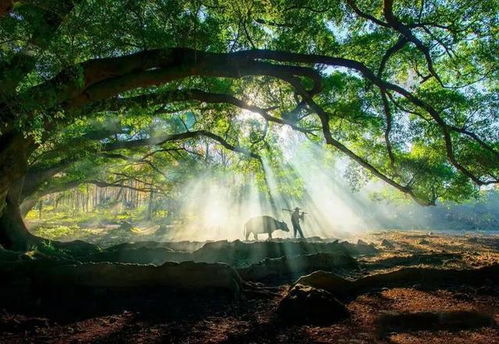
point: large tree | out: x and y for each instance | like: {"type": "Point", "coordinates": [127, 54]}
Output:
{"type": "Point", "coordinates": [406, 89]}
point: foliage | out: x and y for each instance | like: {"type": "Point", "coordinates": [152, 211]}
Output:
{"type": "Point", "coordinates": [422, 118]}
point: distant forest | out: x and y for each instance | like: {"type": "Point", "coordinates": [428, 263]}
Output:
{"type": "Point", "coordinates": [472, 215]}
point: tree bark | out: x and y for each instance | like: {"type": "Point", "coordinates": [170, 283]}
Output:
{"type": "Point", "coordinates": [14, 150]}
{"type": "Point", "coordinates": [27, 205]}
{"type": "Point", "coordinates": [13, 161]}
{"type": "Point", "coordinates": [13, 232]}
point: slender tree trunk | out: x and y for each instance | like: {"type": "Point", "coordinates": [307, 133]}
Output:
{"type": "Point", "coordinates": [149, 208]}
{"type": "Point", "coordinates": [40, 208]}
{"type": "Point", "coordinates": [29, 203]}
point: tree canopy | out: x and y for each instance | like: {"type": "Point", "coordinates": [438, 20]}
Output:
{"type": "Point", "coordinates": [405, 89]}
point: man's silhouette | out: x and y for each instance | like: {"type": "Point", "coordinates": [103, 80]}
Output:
{"type": "Point", "coordinates": [296, 216]}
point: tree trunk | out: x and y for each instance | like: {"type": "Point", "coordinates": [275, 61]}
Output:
{"type": "Point", "coordinates": [28, 204]}
{"type": "Point", "coordinates": [13, 232]}
{"type": "Point", "coordinates": [150, 206]}
{"type": "Point", "coordinates": [40, 208]}
{"type": "Point", "coordinates": [13, 162]}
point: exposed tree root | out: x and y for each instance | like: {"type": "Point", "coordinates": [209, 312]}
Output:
{"type": "Point", "coordinates": [47, 281]}
{"type": "Point", "coordinates": [288, 268]}
{"type": "Point", "coordinates": [238, 254]}
{"type": "Point", "coordinates": [407, 277]}
{"type": "Point", "coordinates": [242, 254]}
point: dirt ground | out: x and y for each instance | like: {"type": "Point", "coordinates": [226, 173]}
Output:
{"type": "Point", "coordinates": [253, 319]}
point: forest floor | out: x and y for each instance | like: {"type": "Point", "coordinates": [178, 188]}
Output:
{"type": "Point", "coordinates": [252, 318]}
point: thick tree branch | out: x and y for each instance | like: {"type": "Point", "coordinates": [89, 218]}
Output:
{"type": "Point", "coordinates": [393, 22]}
{"type": "Point", "coordinates": [364, 15]}
{"type": "Point", "coordinates": [401, 42]}
{"type": "Point", "coordinates": [53, 13]}
{"type": "Point", "coordinates": [36, 177]}
{"type": "Point", "coordinates": [175, 137]}
{"type": "Point", "coordinates": [383, 85]}
{"type": "Point", "coordinates": [103, 184]}
{"type": "Point", "coordinates": [6, 7]}
{"type": "Point", "coordinates": [116, 104]}
{"type": "Point", "coordinates": [106, 78]}
{"type": "Point", "coordinates": [324, 118]}
{"type": "Point", "coordinates": [404, 30]}
{"type": "Point", "coordinates": [389, 119]}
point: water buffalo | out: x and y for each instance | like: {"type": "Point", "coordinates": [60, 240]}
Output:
{"type": "Point", "coordinates": [263, 224]}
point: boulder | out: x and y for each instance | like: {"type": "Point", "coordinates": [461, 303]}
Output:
{"type": "Point", "coordinates": [309, 305]}
{"type": "Point", "coordinates": [337, 286]}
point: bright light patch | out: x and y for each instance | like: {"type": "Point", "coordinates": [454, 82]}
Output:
{"type": "Point", "coordinates": [215, 206]}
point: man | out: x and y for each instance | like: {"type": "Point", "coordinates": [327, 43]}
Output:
{"type": "Point", "coordinates": [296, 216]}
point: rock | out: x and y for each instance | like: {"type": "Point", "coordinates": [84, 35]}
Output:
{"type": "Point", "coordinates": [309, 305]}
{"type": "Point", "coordinates": [387, 244]}
{"type": "Point", "coordinates": [424, 242]}
{"type": "Point", "coordinates": [337, 286]}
